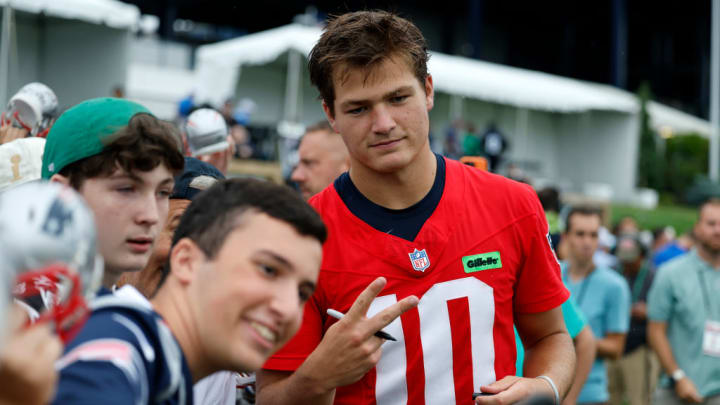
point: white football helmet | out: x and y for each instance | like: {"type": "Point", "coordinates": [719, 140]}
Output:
{"type": "Point", "coordinates": [48, 239]}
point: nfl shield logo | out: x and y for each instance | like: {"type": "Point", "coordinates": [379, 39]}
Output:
{"type": "Point", "coordinates": [419, 260]}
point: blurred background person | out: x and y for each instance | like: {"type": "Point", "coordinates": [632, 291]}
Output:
{"type": "Point", "coordinates": [20, 161]}
{"type": "Point", "coordinates": [453, 135]}
{"type": "Point", "coordinates": [30, 112]}
{"type": "Point", "coordinates": [632, 378]}
{"type": "Point", "coordinates": [208, 138]}
{"type": "Point", "coordinates": [626, 224]}
{"type": "Point", "coordinates": [238, 122]}
{"type": "Point", "coordinates": [684, 317]}
{"type": "Point", "coordinates": [674, 248]}
{"type": "Point", "coordinates": [602, 295]}
{"type": "Point", "coordinates": [662, 236]}
{"type": "Point", "coordinates": [606, 243]}
{"type": "Point", "coordinates": [471, 143]}
{"type": "Point", "coordinates": [494, 144]}
{"type": "Point", "coordinates": [322, 157]}
{"type": "Point", "coordinates": [550, 201]}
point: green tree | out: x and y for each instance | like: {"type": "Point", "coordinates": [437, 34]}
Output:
{"type": "Point", "coordinates": [650, 163]}
{"type": "Point", "coordinates": [686, 158]}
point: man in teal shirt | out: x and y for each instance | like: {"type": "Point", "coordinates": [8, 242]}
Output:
{"type": "Point", "coordinates": [684, 314]}
{"type": "Point", "coordinates": [602, 295]}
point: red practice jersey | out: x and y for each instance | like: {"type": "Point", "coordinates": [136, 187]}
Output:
{"type": "Point", "coordinates": [482, 255]}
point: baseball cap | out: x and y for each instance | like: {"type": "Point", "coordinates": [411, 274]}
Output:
{"type": "Point", "coordinates": [84, 130]}
{"type": "Point", "coordinates": [206, 132]}
{"type": "Point", "coordinates": [196, 177]}
{"type": "Point", "coordinates": [20, 161]}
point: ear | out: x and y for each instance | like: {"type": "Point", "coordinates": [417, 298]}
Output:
{"type": "Point", "coordinates": [186, 259]}
{"type": "Point", "coordinates": [429, 92]}
{"type": "Point", "coordinates": [59, 178]}
{"type": "Point", "coordinates": [330, 116]}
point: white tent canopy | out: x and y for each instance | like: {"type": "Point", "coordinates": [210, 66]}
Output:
{"type": "Point", "coordinates": [218, 67]}
{"type": "Point", "coordinates": [523, 88]}
{"type": "Point", "coordinates": [39, 42]}
{"type": "Point", "coordinates": [112, 13]}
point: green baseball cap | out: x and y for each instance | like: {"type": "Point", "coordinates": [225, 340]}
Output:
{"type": "Point", "coordinates": [84, 130]}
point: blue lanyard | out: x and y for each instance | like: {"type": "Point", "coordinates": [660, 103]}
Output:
{"type": "Point", "coordinates": [705, 294]}
{"type": "Point", "coordinates": [581, 294]}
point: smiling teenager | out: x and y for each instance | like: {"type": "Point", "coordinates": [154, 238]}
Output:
{"type": "Point", "coordinates": [122, 160]}
{"type": "Point", "coordinates": [243, 262]}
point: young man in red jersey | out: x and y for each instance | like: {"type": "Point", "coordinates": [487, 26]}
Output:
{"type": "Point", "coordinates": [461, 254]}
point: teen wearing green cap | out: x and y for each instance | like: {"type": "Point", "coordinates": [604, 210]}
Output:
{"type": "Point", "coordinates": [122, 160]}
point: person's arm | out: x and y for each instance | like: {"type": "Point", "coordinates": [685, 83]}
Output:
{"type": "Point", "coordinates": [611, 346]}
{"type": "Point", "coordinates": [661, 301]}
{"type": "Point", "coordinates": [549, 352]}
{"type": "Point", "coordinates": [585, 352]}
{"type": "Point", "coordinates": [657, 337]}
{"type": "Point", "coordinates": [8, 133]}
{"type": "Point", "coordinates": [347, 351]}
{"type": "Point", "coordinates": [27, 375]}
{"type": "Point", "coordinates": [639, 310]}
{"type": "Point", "coordinates": [284, 387]}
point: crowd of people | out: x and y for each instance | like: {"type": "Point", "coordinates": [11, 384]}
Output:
{"type": "Point", "coordinates": [134, 272]}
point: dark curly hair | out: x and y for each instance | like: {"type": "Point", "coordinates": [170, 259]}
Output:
{"type": "Point", "coordinates": [144, 144]}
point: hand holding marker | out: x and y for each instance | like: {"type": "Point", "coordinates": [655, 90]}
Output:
{"type": "Point", "coordinates": [382, 335]}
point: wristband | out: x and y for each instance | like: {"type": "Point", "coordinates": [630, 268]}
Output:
{"type": "Point", "coordinates": [552, 385]}
{"type": "Point", "coordinates": [677, 375]}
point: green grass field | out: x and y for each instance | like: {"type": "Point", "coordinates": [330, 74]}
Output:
{"type": "Point", "coordinates": [680, 217]}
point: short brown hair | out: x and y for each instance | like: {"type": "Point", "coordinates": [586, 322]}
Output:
{"type": "Point", "coordinates": [144, 144]}
{"type": "Point", "coordinates": [364, 39]}
{"type": "Point", "coordinates": [582, 211]}
{"type": "Point", "coordinates": [323, 125]}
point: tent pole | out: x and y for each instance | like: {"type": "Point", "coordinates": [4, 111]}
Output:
{"type": "Point", "coordinates": [292, 86]}
{"type": "Point", "coordinates": [715, 91]}
{"type": "Point", "coordinates": [456, 107]}
{"type": "Point", "coordinates": [5, 54]}
{"type": "Point", "coordinates": [521, 134]}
